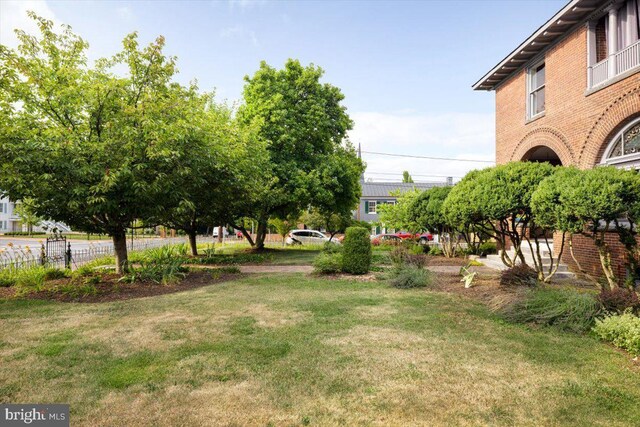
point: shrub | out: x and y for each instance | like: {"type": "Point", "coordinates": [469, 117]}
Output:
{"type": "Point", "coordinates": [331, 248]}
{"type": "Point", "coordinates": [398, 255]}
{"type": "Point", "coordinates": [55, 273]}
{"type": "Point", "coordinates": [417, 249]}
{"type": "Point", "coordinates": [488, 248]}
{"type": "Point", "coordinates": [328, 263]}
{"type": "Point", "coordinates": [162, 271]}
{"type": "Point", "coordinates": [519, 275]}
{"type": "Point", "coordinates": [419, 261]}
{"type": "Point", "coordinates": [622, 330]}
{"type": "Point", "coordinates": [619, 300]}
{"type": "Point", "coordinates": [410, 276]}
{"type": "Point", "coordinates": [356, 256]}
{"type": "Point", "coordinates": [435, 250]}
{"type": "Point", "coordinates": [566, 309]}
{"type": "Point", "coordinates": [25, 233]}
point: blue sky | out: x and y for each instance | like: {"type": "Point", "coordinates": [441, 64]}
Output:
{"type": "Point", "coordinates": [406, 68]}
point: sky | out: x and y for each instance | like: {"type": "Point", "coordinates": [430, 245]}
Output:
{"type": "Point", "coordinates": [405, 67]}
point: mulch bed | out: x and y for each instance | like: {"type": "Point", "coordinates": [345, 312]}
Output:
{"type": "Point", "coordinates": [440, 260]}
{"type": "Point", "coordinates": [109, 289]}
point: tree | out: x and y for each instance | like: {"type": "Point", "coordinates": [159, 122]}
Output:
{"type": "Point", "coordinates": [284, 226]}
{"type": "Point", "coordinates": [497, 201]}
{"type": "Point", "coordinates": [396, 215]}
{"type": "Point", "coordinates": [594, 203]}
{"type": "Point", "coordinates": [406, 178]}
{"type": "Point", "coordinates": [303, 125]}
{"type": "Point", "coordinates": [332, 223]}
{"type": "Point", "coordinates": [219, 165]}
{"type": "Point", "coordinates": [426, 210]}
{"type": "Point", "coordinates": [90, 148]}
{"type": "Point", "coordinates": [26, 211]}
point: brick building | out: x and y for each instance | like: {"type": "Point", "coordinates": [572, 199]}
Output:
{"type": "Point", "coordinates": [570, 95]}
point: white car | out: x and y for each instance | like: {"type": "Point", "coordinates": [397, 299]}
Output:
{"type": "Point", "coordinates": [225, 232]}
{"type": "Point", "coordinates": [306, 237]}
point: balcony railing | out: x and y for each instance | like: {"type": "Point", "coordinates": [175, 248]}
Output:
{"type": "Point", "coordinates": [623, 60]}
{"type": "Point", "coordinates": [628, 58]}
{"type": "Point", "coordinates": [599, 73]}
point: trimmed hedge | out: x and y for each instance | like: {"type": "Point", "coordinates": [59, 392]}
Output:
{"type": "Point", "coordinates": [356, 252]}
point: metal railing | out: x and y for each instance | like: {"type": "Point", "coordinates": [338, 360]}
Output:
{"type": "Point", "coordinates": [19, 257]}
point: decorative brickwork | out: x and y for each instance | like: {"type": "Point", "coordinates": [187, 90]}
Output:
{"type": "Point", "coordinates": [577, 125]}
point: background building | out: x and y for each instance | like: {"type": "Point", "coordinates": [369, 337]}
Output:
{"type": "Point", "coordinates": [9, 221]}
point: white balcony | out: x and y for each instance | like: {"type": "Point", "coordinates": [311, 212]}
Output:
{"type": "Point", "coordinates": [619, 63]}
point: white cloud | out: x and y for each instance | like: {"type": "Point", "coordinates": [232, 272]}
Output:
{"type": "Point", "coordinates": [246, 4]}
{"type": "Point", "coordinates": [451, 135]}
{"type": "Point", "coordinates": [238, 31]}
{"type": "Point", "coordinates": [13, 15]}
{"type": "Point", "coordinates": [125, 13]}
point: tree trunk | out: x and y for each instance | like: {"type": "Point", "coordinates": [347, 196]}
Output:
{"type": "Point", "coordinates": [219, 234]}
{"type": "Point", "coordinates": [192, 243]}
{"type": "Point", "coordinates": [261, 234]}
{"type": "Point", "coordinates": [120, 249]}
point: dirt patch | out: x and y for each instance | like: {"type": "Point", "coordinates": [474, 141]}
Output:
{"type": "Point", "coordinates": [110, 289]}
{"type": "Point", "coordinates": [440, 260]}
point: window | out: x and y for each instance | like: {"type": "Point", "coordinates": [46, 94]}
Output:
{"type": "Point", "coordinates": [371, 206]}
{"type": "Point", "coordinates": [536, 86]}
{"type": "Point", "coordinates": [624, 148]}
{"type": "Point", "coordinates": [3, 208]}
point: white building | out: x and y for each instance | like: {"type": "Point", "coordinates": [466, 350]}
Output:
{"type": "Point", "coordinates": [9, 221]}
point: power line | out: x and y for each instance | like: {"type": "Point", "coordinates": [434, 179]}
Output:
{"type": "Point", "coordinates": [428, 157]}
{"type": "Point", "coordinates": [399, 174]}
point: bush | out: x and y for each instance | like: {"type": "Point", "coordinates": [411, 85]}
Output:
{"type": "Point", "coordinates": [417, 249]}
{"type": "Point", "coordinates": [25, 233]}
{"type": "Point", "coordinates": [356, 257]}
{"type": "Point", "coordinates": [435, 250]}
{"type": "Point", "coordinates": [410, 276]}
{"type": "Point", "coordinates": [566, 309]}
{"type": "Point", "coordinates": [55, 273]}
{"type": "Point", "coordinates": [519, 275]}
{"type": "Point", "coordinates": [622, 330]}
{"type": "Point", "coordinates": [398, 256]}
{"type": "Point", "coordinates": [488, 248]}
{"type": "Point", "coordinates": [619, 300]}
{"type": "Point", "coordinates": [328, 263]}
{"type": "Point", "coordinates": [331, 248]}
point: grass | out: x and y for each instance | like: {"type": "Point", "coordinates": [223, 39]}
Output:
{"type": "Point", "coordinates": [293, 349]}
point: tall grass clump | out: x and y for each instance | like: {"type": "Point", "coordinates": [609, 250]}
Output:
{"type": "Point", "coordinates": [566, 309]}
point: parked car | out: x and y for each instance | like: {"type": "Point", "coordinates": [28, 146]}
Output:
{"type": "Point", "coordinates": [404, 235]}
{"type": "Point", "coordinates": [225, 232]}
{"type": "Point", "coordinates": [385, 239]}
{"type": "Point", "coordinates": [424, 238]}
{"type": "Point", "coordinates": [307, 237]}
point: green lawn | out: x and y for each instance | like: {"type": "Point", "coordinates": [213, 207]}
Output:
{"type": "Point", "coordinates": [297, 350]}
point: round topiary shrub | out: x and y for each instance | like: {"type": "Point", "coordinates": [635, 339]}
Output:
{"type": "Point", "coordinates": [356, 252]}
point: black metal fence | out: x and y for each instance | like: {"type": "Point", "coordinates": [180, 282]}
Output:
{"type": "Point", "coordinates": [60, 253]}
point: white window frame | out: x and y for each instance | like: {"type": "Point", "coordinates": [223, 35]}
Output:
{"type": "Point", "coordinates": [375, 206]}
{"type": "Point", "coordinates": [530, 90]}
{"type": "Point", "coordinates": [623, 161]}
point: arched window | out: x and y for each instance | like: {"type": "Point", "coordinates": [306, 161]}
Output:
{"type": "Point", "coordinates": [624, 148]}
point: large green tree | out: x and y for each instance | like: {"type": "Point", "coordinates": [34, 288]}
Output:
{"type": "Point", "coordinates": [595, 203]}
{"type": "Point", "coordinates": [92, 149]}
{"type": "Point", "coordinates": [304, 126]}
{"type": "Point", "coordinates": [497, 201]}
{"type": "Point", "coordinates": [426, 210]}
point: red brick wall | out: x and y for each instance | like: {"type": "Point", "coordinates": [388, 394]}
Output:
{"type": "Point", "coordinates": [587, 254]}
{"type": "Point", "coordinates": [576, 125]}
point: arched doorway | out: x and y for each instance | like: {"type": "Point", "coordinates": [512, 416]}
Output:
{"type": "Point", "coordinates": [541, 154]}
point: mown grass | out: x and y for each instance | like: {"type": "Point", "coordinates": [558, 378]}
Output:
{"type": "Point", "coordinates": [292, 350]}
